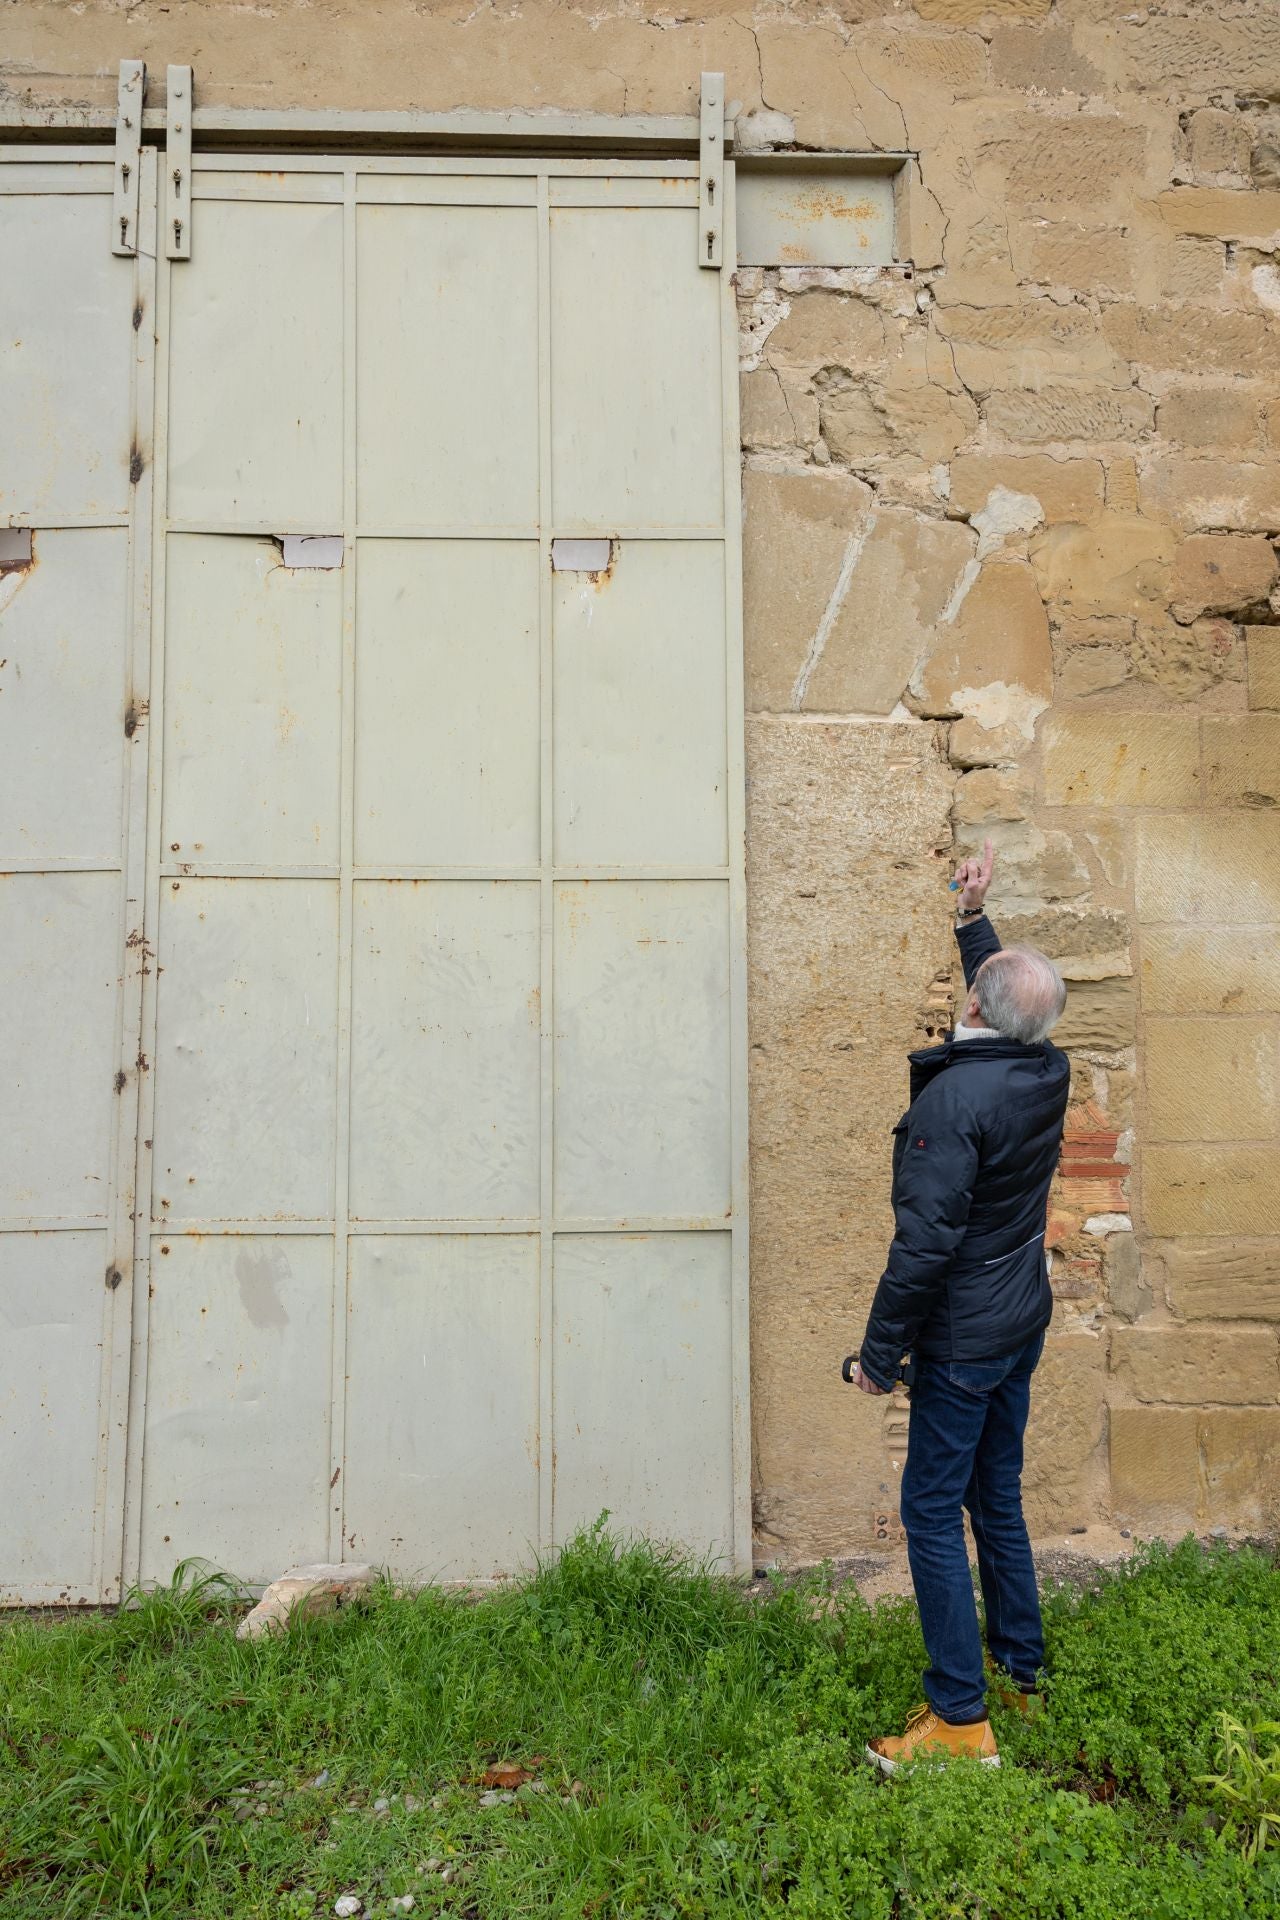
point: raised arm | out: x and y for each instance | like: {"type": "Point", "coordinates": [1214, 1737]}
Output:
{"type": "Point", "coordinates": [975, 935]}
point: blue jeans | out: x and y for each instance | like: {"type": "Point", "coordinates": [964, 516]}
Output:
{"type": "Point", "coordinates": [965, 1450]}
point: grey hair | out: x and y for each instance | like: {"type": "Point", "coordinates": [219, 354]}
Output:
{"type": "Point", "coordinates": [1020, 993]}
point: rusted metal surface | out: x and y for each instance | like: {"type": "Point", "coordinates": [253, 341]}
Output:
{"type": "Point", "coordinates": [808, 215]}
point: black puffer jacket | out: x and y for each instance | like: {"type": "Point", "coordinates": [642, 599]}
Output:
{"type": "Point", "coordinates": [973, 1157]}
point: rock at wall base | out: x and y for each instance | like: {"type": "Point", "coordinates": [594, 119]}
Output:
{"type": "Point", "coordinates": [313, 1590]}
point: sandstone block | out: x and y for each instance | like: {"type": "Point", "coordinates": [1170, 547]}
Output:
{"type": "Point", "coordinates": [1119, 566]}
{"type": "Point", "coordinates": [994, 653]}
{"type": "Point", "coordinates": [1189, 339]}
{"type": "Point", "coordinates": [863, 424]}
{"type": "Point", "coordinates": [1222, 573]}
{"type": "Point", "coordinates": [1263, 645]}
{"type": "Point", "coordinates": [1064, 253]}
{"type": "Point", "coordinates": [1223, 213]}
{"type": "Point", "coordinates": [1101, 1017]}
{"type": "Point", "coordinates": [1184, 661]}
{"type": "Point", "coordinates": [1242, 495]}
{"type": "Point", "coordinates": [1204, 416]}
{"type": "Point", "coordinates": [1207, 868]}
{"type": "Point", "coordinates": [1034, 865]}
{"type": "Point", "coordinates": [992, 283]}
{"type": "Point", "coordinates": [1042, 60]}
{"type": "Point", "coordinates": [845, 824]}
{"type": "Point", "coordinates": [1084, 161]}
{"type": "Point", "coordinates": [1088, 943]}
{"type": "Point", "coordinates": [904, 574]}
{"type": "Point", "coordinates": [1008, 346]}
{"type": "Point", "coordinates": [973, 745]}
{"type": "Point", "coordinates": [1155, 1468]}
{"type": "Point", "coordinates": [1242, 759]}
{"type": "Point", "coordinates": [953, 64]}
{"type": "Point", "coordinates": [1064, 489]}
{"type": "Point", "coordinates": [1218, 142]}
{"type": "Point", "coordinates": [827, 329]}
{"type": "Point", "coordinates": [1085, 670]}
{"type": "Point", "coordinates": [305, 1590]}
{"type": "Point", "coordinates": [798, 528]}
{"type": "Point", "coordinates": [1061, 410]}
{"type": "Point", "coordinates": [1173, 1468]}
{"type": "Point", "coordinates": [1212, 1079]}
{"type": "Point", "coordinates": [1195, 269]}
{"type": "Point", "coordinates": [1121, 760]}
{"type": "Point", "coordinates": [1209, 970]}
{"type": "Point", "coordinates": [1066, 1433]}
{"type": "Point", "coordinates": [1191, 1365]}
{"type": "Point", "coordinates": [1211, 1190]}
{"type": "Point", "coordinates": [775, 416]}
{"type": "Point", "coordinates": [1199, 53]}
{"type": "Point", "coordinates": [968, 13]}
{"type": "Point", "coordinates": [1264, 159]}
{"type": "Point", "coordinates": [993, 793]}
{"type": "Point", "coordinates": [1224, 1279]}
{"type": "Point", "coordinates": [1128, 1291]}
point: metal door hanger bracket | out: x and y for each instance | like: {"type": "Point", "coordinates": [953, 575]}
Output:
{"type": "Point", "coordinates": [711, 173]}
{"type": "Point", "coordinates": [177, 164]}
{"type": "Point", "coordinates": [124, 205]}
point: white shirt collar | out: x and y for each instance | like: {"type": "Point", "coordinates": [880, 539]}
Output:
{"type": "Point", "coordinates": [976, 1033]}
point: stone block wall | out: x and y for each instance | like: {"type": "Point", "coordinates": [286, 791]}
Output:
{"type": "Point", "coordinates": [1012, 510]}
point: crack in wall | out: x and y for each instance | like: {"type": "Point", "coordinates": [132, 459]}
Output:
{"type": "Point", "coordinates": [852, 553]}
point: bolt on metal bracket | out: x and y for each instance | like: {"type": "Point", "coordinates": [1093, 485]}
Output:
{"type": "Point", "coordinates": [131, 94]}
{"type": "Point", "coordinates": [711, 173]}
{"type": "Point", "coordinates": [177, 164]}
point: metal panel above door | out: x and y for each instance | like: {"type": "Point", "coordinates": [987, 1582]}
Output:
{"type": "Point", "coordinates": [446, 1154]}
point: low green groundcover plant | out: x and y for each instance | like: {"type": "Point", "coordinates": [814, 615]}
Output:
{"type": "Point", "coordinates": [628, 1735]}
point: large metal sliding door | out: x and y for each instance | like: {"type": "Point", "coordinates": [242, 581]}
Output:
{"type": "Point", "coordinates": [76, 339]}
{"type": "Point", "coordinates": [442, 1245]}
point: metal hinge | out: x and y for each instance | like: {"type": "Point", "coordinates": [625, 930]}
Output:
{"type": "Point", "coordinates": [711, 173]}
{"type": "Point", "coordinates": [177, 164]}
{"type": "Point", "coordinates": [131, 94]}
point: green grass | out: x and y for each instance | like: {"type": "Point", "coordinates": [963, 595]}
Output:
{"type": "Point", "coordinates": [692, 1752]}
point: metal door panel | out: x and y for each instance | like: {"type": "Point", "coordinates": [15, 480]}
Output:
{"type": "Point", "coordinates": [64, 634]}
{"type": "Point", "coordinates": [51, 1297]}
{"type": "Point", "coordinates": [641, 770]}
{"type": "Point", "coordinates": [256, 369]}
{"type": "Point", "coordinates": [642, 1119]}
{"type": "Point", "coordinates": [253, 680]}
{"type": "Point", "coordinates": [64, 373]}
{"type": "Point", "coordinates": [443, 1366]}
{"type": "Point", "coordinates": [237, 1443]}
{"type": "Point", "coordinates": [76, 377]}
{"type": "Point", "coordinates": [644, 1386]}
{"type": "Point", "coordinates": [447, 381]}
{"type": "Point", "coordinates": [631, 320]}
{"type": "Point", "coordinates": [245, 1073]}
{"type": "Point", "coordinates": [60, 962]}
{"type": "Point", "coordinates": [445, 1050]}
{"type": "Point", "coordinates": [447, 703]}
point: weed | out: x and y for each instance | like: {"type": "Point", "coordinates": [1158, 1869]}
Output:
{"type": "Point", "coordinates": [1248, 1782]}
{"type": "Point", "coordinates": [675, 1751]}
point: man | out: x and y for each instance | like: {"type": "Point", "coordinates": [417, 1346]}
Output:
{"type": "Point", "coordinates": [966, 1292]}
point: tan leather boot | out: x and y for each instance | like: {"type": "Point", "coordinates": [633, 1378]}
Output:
{"type": "Point", "coordinates": [928, 1738]}
{"type": "Point", "coordinates": [1009, 1693]}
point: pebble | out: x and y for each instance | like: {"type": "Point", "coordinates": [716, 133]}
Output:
{"type": "Point", "coordinates": [405, 1903]}
{"type": "Point", "coordinates": [495, 1798]}
{"type": "Point", "coordinates": [412, 1804]}
{"type": "Point", "coordinates": [322, 1778]}
{"type": "Point", "coordinates": [346, 1904]}
{"type": "Point", "coordinates": [449, 1874]}
{"type": "Point", "coordinates": [382, 1806]}
{"type": "Point", "coordinates": [430, 1866]}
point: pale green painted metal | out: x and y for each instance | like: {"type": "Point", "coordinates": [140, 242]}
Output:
{"type": "Point", "coordinates": [442, 1132]}
{"type": "Point", "coordinates": [75, 393]}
